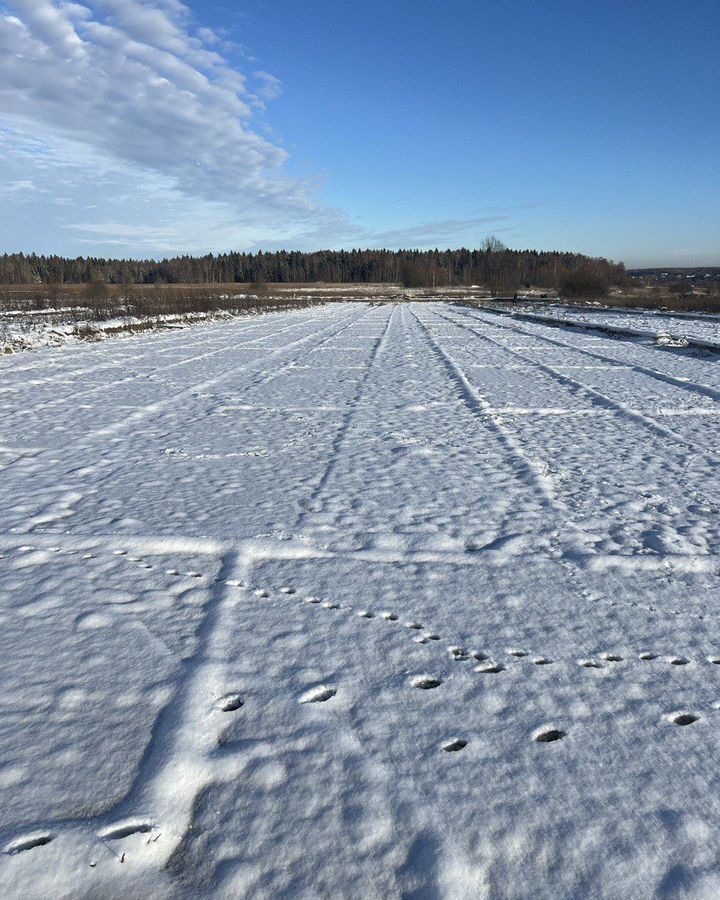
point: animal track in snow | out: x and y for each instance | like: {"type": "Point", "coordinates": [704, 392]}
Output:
{"type": "Point", "coordinates": [647, 655]}
{"type": "Point", "coordinates": [125, 829]}
{"type": "Point", "coordinates": [678, 661]}
{"type": "Point", "coordinates": [416, 626]}
{"type": "Point", "coordinates": [454, 746]}
{"type": "Point", "coordinates": [547, 736]}
{"type": "Point", "coordinates": [389, 616]}
{"type": "Point", "coordinates": [230, 702]}
{"type": "Point", "coordinates": [425, 682]}
{"type": "Point", "coordinates": [29, 842]}
{"type": "Point", "coordinates": [611, 657]}
{"type": "Point", "coordinates": [365, 614]}
{"type": "Point", "coordinates": [683, 718]}
{"type": "Point", "coordinates": [318, 694]}
{"type": "Point", "coordinates": [516, 651]}
{"type": "Point", "coordinates": [590, 664]}
{"type": "Point", "coordinates": [542, 661]}
{"type": "Point", "coordinates": [489, 668]}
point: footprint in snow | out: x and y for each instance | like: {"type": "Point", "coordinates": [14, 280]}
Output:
{"type": "Point", "coordinates": [230, 702]}
{"type": "Point", "coordinates": [679, 661]}
{"type": "Point", "coordinates": [647, 655]}
{"type": "Point", "coordinates": [516, 651]}
{"type": "Point", "coordinates": [318, 694]}
{"type": "Point", "coordinates": [454, 746]}
{"type": "Point", "coordinates": [590, 664]}
{"type": "Point", "coordinates": [542, 661]}
{"type": "Point", "coordinates": [611, 657]}
{"type": "Point", "coordinates": [425, 682]}
{"type": "Point", "coordinates": [389, 616]}
{"type": "Point", "coordinates": [29, 842]}
{"type": "Point", "coordinates": [416, 626]}
{"type": "Point", "coordinates": [683, 718]}
{"type": "Point", "coordinates": [365, 614]}
{"type": "Point", "coordinates": [287, 590]}
{"type": "Point", "coordinates": [548, 735]}
{"type": "Point", "coordinates": [489, 668]}
{"type": "Point", "coordinates": [125, 829]}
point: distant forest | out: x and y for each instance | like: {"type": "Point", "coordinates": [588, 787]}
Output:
{"type": "Point", "coordinates": [493, 265]}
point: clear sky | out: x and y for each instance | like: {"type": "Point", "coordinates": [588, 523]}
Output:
{"type": "Point", "coordinates": [147, 127]}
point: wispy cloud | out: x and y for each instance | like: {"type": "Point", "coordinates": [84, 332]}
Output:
{"type": "Point", "coordinates": [431, 234]}
{"type": "Point", "coordinates": [139, 83]}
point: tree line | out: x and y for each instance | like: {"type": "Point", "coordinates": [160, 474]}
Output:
{"type": "Point", "coordinates": [492, 265]}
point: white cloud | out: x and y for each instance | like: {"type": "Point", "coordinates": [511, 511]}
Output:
{"type": "Point", "coordinates": [137, 83]}
{"type": "Point", "coordinates": [270, 87]}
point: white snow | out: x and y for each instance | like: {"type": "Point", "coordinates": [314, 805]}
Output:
{"type": "Point", "coordinates": [404, 600]}
{"type": "Point", "coordinates": [664, 327]}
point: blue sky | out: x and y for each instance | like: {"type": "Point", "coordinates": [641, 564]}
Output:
{"type": "Point", "coordinates": [146, 127]}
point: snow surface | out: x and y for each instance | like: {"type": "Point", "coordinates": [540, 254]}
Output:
{"type": "Point", "coordinates": [400, 600]}
{"type": "Point", "coordinates": [663, 326]}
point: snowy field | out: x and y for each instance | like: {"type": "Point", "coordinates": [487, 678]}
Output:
{"type": "Point", "coordinates": [675, 327]}
{"type": "Point", "coordinates": [360, 601]}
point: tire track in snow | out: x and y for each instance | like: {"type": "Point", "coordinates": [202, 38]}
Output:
{"type": "Point", "coordinates": [154, 375]}
{"type": "Point", "coordinates": [478, 404]}
{"type": "Point", "coordinates": [595, 396]}
{"type": "Point", "coordinates": [690, 386]}
{"type": "Point", "coordinates": [350, 412]}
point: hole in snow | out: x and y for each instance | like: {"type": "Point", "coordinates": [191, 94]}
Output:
{"type": "Point", "coordinates": [489, 668]}
{"type": "Point", "coordinates": [29, 842]}
{"type": "Point", "coordinates": [516, 651]}
{"type": "Point", "coordinates": [648, 655]}
{"type": "Point", "coordinates": [117, 832]}
{"type": "Point", "coordinates": [542, 661]}
{"type": "Point", "coordinates": [683, 718]}
{"type": "Point", "coordinates": [426, 682]}
{"type": "Point", "coordinates": [611, 657]}
{"type": "Point", "coordinates": [589, 664]}
{"type": "Point", "coordinates": [454, 746]}
{"type": "Point", "coordinates": [679, 661]}
{"type": "Point", "coordinates": [547, 737]}
{"type": "Point", "coordinates": [365, 614]}
{"type": "Point", "coordinates": [318, 694]}
{"type": "Point", "coordinates": [230, 702]}
{"type": "Point", "coordinates": [389, 616]}
{"type": "Point", "coordinates": [416, 626]}
{"type": "Point", "coordinates": [287, 590]}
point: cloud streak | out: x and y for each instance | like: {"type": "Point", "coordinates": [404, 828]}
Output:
{"type": "Point", "coordinates": [136, 82]}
